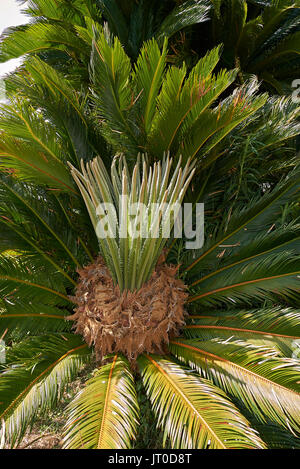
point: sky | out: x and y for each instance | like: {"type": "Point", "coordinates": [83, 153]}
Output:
{"type": "Point", "coordinates": [10, 15]}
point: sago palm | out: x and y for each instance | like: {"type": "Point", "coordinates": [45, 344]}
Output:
{"type": "Point", "coordinates": [211, 332]}
{"type": "Point", "coordinates": [261, 38]}
{"type": "Point", "coordinates": [258, 37]}
{"type": "Point", "coordinates": [61, 33]}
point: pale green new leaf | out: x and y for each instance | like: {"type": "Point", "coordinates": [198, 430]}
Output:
{"type": "Point", "coordinates": [133, 215]}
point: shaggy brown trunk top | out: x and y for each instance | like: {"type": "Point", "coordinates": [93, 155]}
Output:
{"type": "Point", "coordinates": [128, 322]}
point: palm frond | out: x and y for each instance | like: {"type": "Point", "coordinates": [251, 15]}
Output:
{"type": "Point", "coordinates": [274, 322]}
{"type": "Point", "coordinates": [148, 77]}
{"type": "Point", "coordinates": [275, 276]}
{"type": "Point", "coordinates": [276, 327]}
{"type": "Point", "coordinates": [110, 71]}
{"type": "Point", "coordinates": [188, 13]}
{"type": "Point", "coordinates": [104, 415]}
{"type": "Point", "coordinates": [244, 223]}
{"type": "Point", "coordinates": [38, 369]}
{"type": "Point", "coordinates": [222, 120]}
{"type": "Point", "coordinates": [193, 412]}
{"type": "Point", "coordinates": [19, 156]}
{"type": "Point", "coordinates": [55, 97]}
{"type": "Point", "coordinates": [21, 200]}
{"type": "Point", "coordinates": [228, 23]}
{"type": "Point", "coordinates": [266, 384]}
{"type": "Point", "coordinates": [180, 104]}
{"type": "Point", "coordinates": [285, 238]}
{"type": "Point", "coordinates": [59, 10]}
{"type": "Point", "coordinates": [115, 18]}
{"type": "Point", "coordinates": [35, 38]}
{"type": "Point", "coordinates": [33, 319]}
{"type": "Point", "coordinates": [22, 277]}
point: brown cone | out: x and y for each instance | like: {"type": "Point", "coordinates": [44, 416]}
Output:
{"type": "Point", "coordinates": [128, 322]}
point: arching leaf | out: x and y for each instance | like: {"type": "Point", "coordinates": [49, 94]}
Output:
{"type": "Point", "coordinates": [104, 414]}
{"type": "Point", "coordinates": [193, 412]}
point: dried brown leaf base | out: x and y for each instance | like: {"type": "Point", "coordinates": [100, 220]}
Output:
{"type": "Point", "coordinates": [128, 322]}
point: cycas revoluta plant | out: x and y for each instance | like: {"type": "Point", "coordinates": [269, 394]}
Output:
{"type": "Point", "coordinates": [259, 37]}
{"type": "Point", "coordinates": [133, 221]}
{"type": "Point", "coordinates": [230, 380]}
{"type": "Point", "coordinates": [61, 32]}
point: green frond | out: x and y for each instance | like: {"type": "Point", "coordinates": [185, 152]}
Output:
{"type": "Point", "coordinates": [59, 101]}
{"type": "Point", "coordinates": [116, 19]}
{"type": "Point", "coordinates": [38, 37]}
{"type": "Point", "coordinates": [24, 122]}
{"type": "Point", "coordinates": [58, 10]}
{"type": "Point", "coordinates": [58, 86]}
{"type": "Point", "coordinates": [247, 39]}
{"type": "Point", "coordinates": [274, 123]}
{"type": "Point", "coordinates": [158, 109]}
{"type": "Point", "coordinates": [263, 382]}
{"type": "Point", "coordinates": [214, 126]}
{"type": "Point", "coordinates": [276, 15]}
{"type": "Point", "coordinates": [275, 436]}
{"type": "Point", "coordinates": [179, 105]}
{"type": "Point", "coordinates": [40, 136]}
{"type": "Point", "coordinates": [229, 23]}
{"type": "Point", "coordinates": [193, 412]}
{"type": "Point", "coordinates": [274, 276]}
{"type": "Point", "coordinates": [283, 346]}
{"type": "Point", "coordinates": [287, 47]}
{"type": "Point", "coordinates": [148, 78]}
{"type": "Point", "coordinates": [104, 415]}
{"type": "Point", "coordinates": [36, 250]}
{"type": "Point", "coordinates": [38, 369]}
{"type": "Point", "coordinates": [244, 223]}
{"type": "Point", "coordinates": [279, 32]}
{"type": "Point", "coordinates": [273, 322]}
{"type": "Point", "coordinates": [33, 319]}
{"type": "Point", "coordinates": [262, 41]}
{"type": "Point", "coordinates": [283, 239]}
{"type": "Point", "coordinates": [24, 278]}
{"type": "Point", "coordinates": [30, 163]}
{"type": "Point", "coordinates": [187, 13]}
{"type": "Point", "coordinates": [276, 327]}
{"type": "Point", "coordinates": [113, 96]}
{"type": "Point", "coordinates": [24, 201]}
